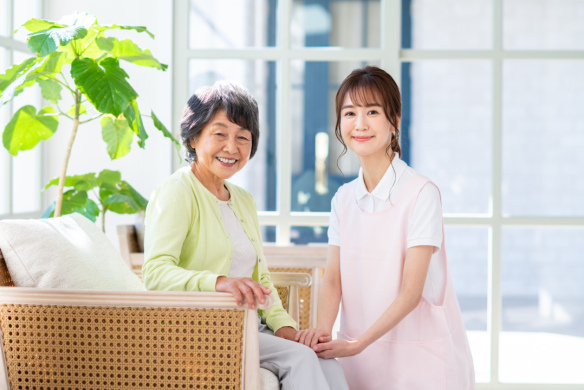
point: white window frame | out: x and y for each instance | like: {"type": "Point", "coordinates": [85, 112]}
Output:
{"type": "Point", "coordinates": [391, 56]}
{"type": "Point", "coordinates": [11, 45]}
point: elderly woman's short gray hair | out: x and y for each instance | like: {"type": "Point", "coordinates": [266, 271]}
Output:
{"type": "Point", "coordinates": [240, 107]}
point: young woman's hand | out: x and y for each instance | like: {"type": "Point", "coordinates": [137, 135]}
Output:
{"type": "Point", "coordinates": [337, 348]}
{"type": "Point", "coordinates": [243, 288]}
{"type": "Point", "coordinates": [311, 337]}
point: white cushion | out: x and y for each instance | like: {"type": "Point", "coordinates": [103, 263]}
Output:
{"type": "Point", "coordinates": [268, 380]}
{"type": "Point", "coordinates": [68, 252]}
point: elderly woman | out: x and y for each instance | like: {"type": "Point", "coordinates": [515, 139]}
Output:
{"type": "Point", "coordinates": [202, 232]}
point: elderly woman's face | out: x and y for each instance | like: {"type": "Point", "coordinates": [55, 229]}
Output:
{"type": "Point", "coordinates": [223, 147]}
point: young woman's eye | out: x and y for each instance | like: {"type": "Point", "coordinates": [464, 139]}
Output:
{"type": "Point", "coordinates": [349, 113]}
{"type": "Point", "coordinates": [373, 112]}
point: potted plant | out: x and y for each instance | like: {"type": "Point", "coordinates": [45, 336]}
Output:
{"type": "Point", "coordinates": [75, 56]}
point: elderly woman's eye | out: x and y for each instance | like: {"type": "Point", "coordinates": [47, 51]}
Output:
{"type": "Point", "coordinates": [244, 138]}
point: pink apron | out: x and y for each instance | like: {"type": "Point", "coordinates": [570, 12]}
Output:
{"type": "Point", "coordinates": [428, 349]}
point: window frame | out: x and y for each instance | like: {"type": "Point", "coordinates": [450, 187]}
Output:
{"type": "Point", "coordinates": [11, 45]}
{"type": "Point", "coordinates": [391, 56]}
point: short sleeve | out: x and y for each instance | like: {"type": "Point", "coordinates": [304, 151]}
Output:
{"type": "Point", "coordinates": [334, 230]}
{"type": "Point", "coordinates": [426, 221]}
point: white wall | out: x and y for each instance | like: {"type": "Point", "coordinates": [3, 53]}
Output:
{"type": "Point", "coordinates": [143, 169]}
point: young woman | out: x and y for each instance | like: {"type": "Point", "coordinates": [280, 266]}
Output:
{"type": "Point", "coordinates": [401, 326]}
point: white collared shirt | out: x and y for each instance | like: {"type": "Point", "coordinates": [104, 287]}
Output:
{"type": "Point", "coordinates": [426, 222]}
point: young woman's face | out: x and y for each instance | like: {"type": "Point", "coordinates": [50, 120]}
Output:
{"type": "Point", "coordinates": [365, 129]}
{"type": "Point", "coordinates": [223, 148]}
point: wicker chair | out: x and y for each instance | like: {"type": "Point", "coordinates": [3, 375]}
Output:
{"type": "Point", "coordinates": [59, 339]}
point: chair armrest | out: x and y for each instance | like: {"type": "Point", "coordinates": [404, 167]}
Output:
{"type": "Point", "coordinates": [298, 279]}
{"type": "Point", "coordinates": [176, 337]}
{"type": "Point", "coordinates": [287, 284]}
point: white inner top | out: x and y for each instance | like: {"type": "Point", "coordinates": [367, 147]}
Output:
{"type": "Point", "coordinates": [425, 224]}
{"type": "Point", "coordinates": [244, 253]}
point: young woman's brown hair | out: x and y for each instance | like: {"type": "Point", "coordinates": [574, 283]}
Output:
{"type": "Point", "coordinates": [371, 85]}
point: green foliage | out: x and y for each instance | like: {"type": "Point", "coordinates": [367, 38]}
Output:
{"type": "Point", "coordinates": [104, 84]}
{"type": "Point", "coordinates": [113, 194]}
{"type": "Point", "coordinates": [165, 131]}
{"type": "Point", "coordinates": [117, 135]}
{"type": "Point", "coordinates": [27, 128]}
{"type": "Point", "coordinates": [77, 56]}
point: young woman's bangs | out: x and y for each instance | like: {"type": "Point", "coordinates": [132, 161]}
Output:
{"type": "Point", "coordinates": [363, 95]}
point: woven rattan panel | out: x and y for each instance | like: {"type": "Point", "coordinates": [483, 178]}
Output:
{"type": "Point", "coordinates": [303, 296]}
{"type": "Point", "coordinates": [107, 348]}
{"type": "Point", "coordinates": [283, 294]}
{"type": "Point", "coordinates": [5, 278]}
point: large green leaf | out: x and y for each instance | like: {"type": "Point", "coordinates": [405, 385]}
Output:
{"type": "Point", "coordinates": [15, 79]}
{"type": "Point", "coordinates": [36, 25]}
{"type": "Point", "coordinates": [47, 41]}
{"type": "Point", "coordinates": [51, 90]}
{"type": "Point", "coordinates": [139, 29]}
{"type": "Point", "coordinates": [27, 128]}
{"type": "Point", "coordinates": [104, 84]}
{"type": "Point", "coordinates": [132, 114]}
{"type": "Point", "coordinates": [82, 19]}
{"type": "Point", "coordinates": [128, 51]}
{"type": "Point", "coordinates": [80, 182]}
{"type": "Point", "coordinates": [117, 135]}
{"type": "Point", "coordinates": [18, 78]}
{"type": "Point", "coordinates": [158, 124]}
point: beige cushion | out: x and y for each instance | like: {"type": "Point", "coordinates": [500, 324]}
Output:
{"type": "Point", "coordinates": [69, 252]}
{"type": "Point", "coordinates": [268, 380]}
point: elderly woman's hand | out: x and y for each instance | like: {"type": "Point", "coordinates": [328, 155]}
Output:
{"type": "Point", "coordinates": [243, 288]}
{"type": "Point", "coordinates": [313, 336]}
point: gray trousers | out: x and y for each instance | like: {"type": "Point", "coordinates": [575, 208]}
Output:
{"type": "Point", "coordinates": [297, 366]}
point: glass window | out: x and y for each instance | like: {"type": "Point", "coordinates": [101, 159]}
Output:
{"type": "Point", "coordinates": [447, 24]}
{"type": "Point", "coordinates": [315, 176]}
{"type": "Point", "coordinates": [302, 235]}
{"type": "Point", "coordinates": [468, 259]}
{"type": "Point", "coordinates": [350, 23]}
{"type": "Point", "coordinates": [223, 24]}
{"type": "Point", "coordinates": [4, 155]}
{"type": "Point", "coordinates": [543, 139]}
{"type": "Point", "coordinates": [542, 338]}
{"type": "Point", "coordinates": [259, 77]}
{"type": "Point", "coordinates": [5, 20]}
{"type": "Point", "coordinates": [26, 172]}
{"type": "Point", "coordinates": [23, 11]}
{"type": "Point", "coordinates": [449, 126]}
{"type": "Point", "coordinates": [543, 25]}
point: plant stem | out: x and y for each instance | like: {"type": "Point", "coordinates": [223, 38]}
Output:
{"type": "Point", "coordinates": [68, 154]}
{"type": "Point", "coordinates": [103, 210]}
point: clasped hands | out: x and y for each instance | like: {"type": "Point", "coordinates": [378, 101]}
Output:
{"type": "Point", "coordinates": [319, 340]}
{"type": "Point", "coordinates": [325, 347]}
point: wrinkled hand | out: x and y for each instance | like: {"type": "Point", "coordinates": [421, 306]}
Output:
{"type": "Point", "coordinates": [337, 348]}
{"type": "Point", "coordinates": [311, 337]}
{"type": "Point", "coordinates": [243, 288]}
{"type": "Point", "coordinates": [286, 332]}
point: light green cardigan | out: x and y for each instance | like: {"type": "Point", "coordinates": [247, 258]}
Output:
{"type": "Point", "coordinates": [187, 246]}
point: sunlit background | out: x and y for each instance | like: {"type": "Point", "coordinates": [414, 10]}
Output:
{"type": "Point", "coordinates": [493, 95]}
